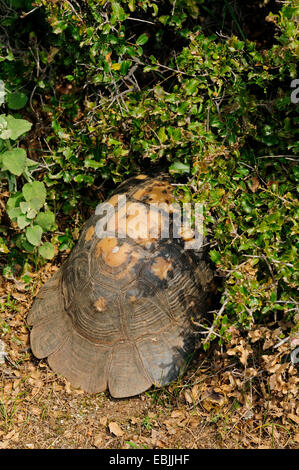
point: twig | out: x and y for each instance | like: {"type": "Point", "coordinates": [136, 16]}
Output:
{"type": "Point", "coordinates": [29, 12]}
{"type": "Point", "coordinates": [211, 329]}
{"type": "Point", "coordinates": [281, 342]}
{"type": "Point", "coordinates": [139, 19]}
{"type": "Point", "coordinates": [274, 194]}
{"type": "Point", "coordinates": [74, 10]}
{"type": "Point", "coordinates": [287, 157]}
{"type": "Point", "coordinates": [170, 68]}
{"type": "Point", "coordinates": [180, 71]}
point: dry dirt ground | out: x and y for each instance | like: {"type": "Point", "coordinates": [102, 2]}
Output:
{"type": "Point", "coordinates": [240, 396]}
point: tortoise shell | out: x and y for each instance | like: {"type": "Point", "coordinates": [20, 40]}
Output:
{"type": "Point", "coordinates": [120, 311]}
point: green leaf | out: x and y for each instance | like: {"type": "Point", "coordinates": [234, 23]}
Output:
{"type": "Point", "coordinates": [14, 212]}
{"type": "Point", "coordinates": [118, 13]}
{"type": "Point", "coordinates": [162, 135]}
{"type": "Point", "coordinates": [31, 213]}
{"type": "Point", "coordinates": [191, 86]}
{"type": "Point", "coordinates": [2, 92]}
{"type": "Point", "coordinates": [15, 127]}
{"type": "Point", "coordinates": [34, 235]}
{"type": "Point", "coordinates": [30, 208]}
{"type": "Point", "coordinates": [131, 5]}
{"type": "Point", "coordinates": [46, 220]}
{"type": "Point", "coordinates": [90, 163]}
{"type": "Point", "coordinates": [16, 100]}
{"type": "Point", "coordinates": [142, 39]}
{"type": "Point", "coordinates": [4, 131]}
{"type": "Point", "coordinates": [215, 256]}
{"type": "Point", "coordinates": [14, 200]}
{"type": "Point", "coordinates": [3, 247]}
{"type": "Point", "coordinates": [28, 246]}
{"type": "Point", "coordinates": [179, 167]}
{"type": "Point", "coordinates": [31, 163]}
{"type": "Point", "coordinates": [125, 65]}
{"type": "Point", "coordinates": [15, 161]}
{"type": "Point", "coordinates": [24, 206]}
{"type": "Point", "coordinates": [22, 221]}
{"type": "Point", "coordinates": [174, 133]}
{"type": "Point", "coordinates": [273, 297]}
{"type": "Point", "coordinates": [35, 193]}
{"type": "Point", "coordinates": [164, 19]}
{"type": "Point", "coordinates": [47, 250]}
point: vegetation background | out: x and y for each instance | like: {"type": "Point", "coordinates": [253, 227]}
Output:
{"type": "Point", "coordinates": [94, 92]}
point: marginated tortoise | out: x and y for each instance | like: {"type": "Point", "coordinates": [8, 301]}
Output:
{"type": "Point", "coordinates": [120, 312]}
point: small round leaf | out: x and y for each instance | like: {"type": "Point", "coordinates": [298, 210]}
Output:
{"type": "Point", "coordinates": [34, 235]}
{"type": "Point", "coordinates": [35, 190]}
{"type": "Point", "coordinates": [46, 220]}
{"type": "Point", "coordinates": [46, 250]}
{"type": "Point", "coordinates": [15, 161]}
{"type": "Point", "coordinates": [16, 100]}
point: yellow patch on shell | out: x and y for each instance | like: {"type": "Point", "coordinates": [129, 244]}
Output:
{"type": "Point", "coordinates": [141, 177]}
{"type": "Point", "coordinates": [160, 267]}
{"type": "Point", "coordinates": [114, 199]}
{"type": "Point", "coordinates": [136, 221]}
{"type": "Point", "coordinates": [89, 234]}
{"type": "Point", "coordinates": [159, 191]}
{"type": "Point", "coordinates": [112, 254]}
{"type": "Point", "coordinates": [100, 304]}
{"type": "Point", "coordinates": [115, 255]}
{"type": "Point", "coordinates": [187, 233]}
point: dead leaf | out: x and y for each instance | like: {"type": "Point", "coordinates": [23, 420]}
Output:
{"type": "Point", "coordinates": [4, 444]}
{"type": "Point", "coordinates": [256, 334]}
{"type": "Point", "coordinates": [103, 420]}
{"type": "Point", "coordinates": [99, 440]}
{"type": "Point", "coordinates": [195, 392]}
{"type": "Point", "coordinates": [19, 297]}
{"type": "Point", "coordinates": [10, 434]}
{"type": "Point", "coordinates": [242, 350]}
{"type": "Point", "coordinates": [188, 398]}
{"type": "Point", "coordinates": [57, 387]}
{"type": "Point", "coordinates": [193, 422]}
{"type": "Point", "coordinates": [268, 343]}
{"type": "Point", "coordinates": [254, 183]}
{"type": "Point", "coordinates": [35, 410]}
{"type": "Point", "coordinates": [134, 420]}
{"type": "Point", "coordinates": [294, 418]}
{"type": "Point", "coordinates": [115, 429]}
{"type": "Point", "coordinates": [178, 414]}
{"type": "Point", "coordinates": [155, 436]}
{"type": "Point", "coordinates": [68, 387]}
{"type": "Point", "coordinates": [20, 286]}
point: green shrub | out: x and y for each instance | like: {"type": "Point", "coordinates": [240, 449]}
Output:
{"type": "Point", "coordinates": [128, 86]}
{"type": "Point", "coordinates": [23, 207]}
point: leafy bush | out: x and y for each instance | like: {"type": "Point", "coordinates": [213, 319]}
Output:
{"type": "Point", "coordinates": [124, 86]}
{"type": "Point", "coordinates": [23, 207]}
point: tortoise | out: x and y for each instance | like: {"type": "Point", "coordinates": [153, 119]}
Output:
{"type": "Point", "coordinates": [121, 311]}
